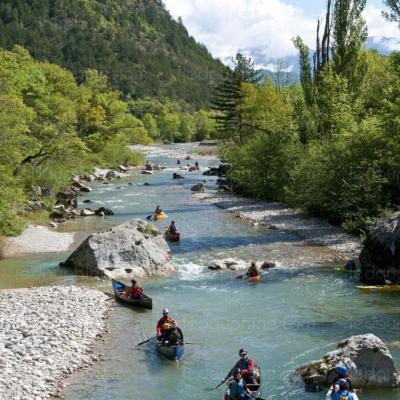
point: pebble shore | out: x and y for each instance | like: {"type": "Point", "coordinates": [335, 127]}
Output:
{"type": "Point", "coordinates": [277, 216]}
{"type": "Point", "coordinates": [46, 334]}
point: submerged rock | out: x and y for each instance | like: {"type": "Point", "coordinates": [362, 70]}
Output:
{"type": "Point", "coordinates": [198, 188]}
{"type": "Point", "coordinates": [135, 248]}
{"type": "Point", "coordinates": [380, 256]}
{"type": "Point", "coordinates": [231, 264]}
{"type": "Point", "coordinates": [369, 362]}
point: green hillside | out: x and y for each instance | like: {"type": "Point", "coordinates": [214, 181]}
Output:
{"type": "Point", "coordinates": [136, 43]}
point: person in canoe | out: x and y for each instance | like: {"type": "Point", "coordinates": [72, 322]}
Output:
{"type": "Point", "coordinates": [247, 367]}
{"type": "Point", "coordinates": [135, 291]}
{"type": "Point", "coordinates": [350, 266]}
{"type": "Point", "coordinates": [342, 374]}
{"type": "Point", "coordinates": [178, 161]}
{"type": "Point", "coordinates": [158, 211]}
{"type": "Point", "coordinates": [172, 228]}
{"type": "Point", "coordinates": [196, 165]}
{"type": "Point", "coordinates": [237, 387]}
{"type": "Point", "coordinates": [343, 392]}
{"type": "Point", "coordinates": [252, 271]}
{"type": "Point", "coordinates": [167, 329]}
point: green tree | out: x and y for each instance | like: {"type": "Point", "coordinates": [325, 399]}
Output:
{"type": "Point", "coordinates": [150, 124]}
{"type": "Point", "coordinates": [394, 13]}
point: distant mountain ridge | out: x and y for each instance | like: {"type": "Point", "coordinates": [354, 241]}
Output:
{"type": "Point", "coordinates": [137, 43]}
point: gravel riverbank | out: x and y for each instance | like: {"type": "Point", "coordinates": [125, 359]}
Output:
{"type": "Point", "coordinates": [45, 334]}
{"type": "Point", "coordinates": [279, 217]}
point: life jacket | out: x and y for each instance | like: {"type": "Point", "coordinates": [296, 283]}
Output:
{"type": "Point", "coordinates": [342, 395]}
{"type": "Point", "coordinates": [237, 389]}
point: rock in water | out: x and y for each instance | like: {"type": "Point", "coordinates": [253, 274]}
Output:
{"type": "Point", "coordinates": [368, 359]}
{"type": "Point", "coordinates": [198, 188]}
{"type": "Point", "coordinates": [135, 248]}
{"type": "Point", "coordinates": [380, 257]}
{"type": "Point", "coordinates": [231, 264]}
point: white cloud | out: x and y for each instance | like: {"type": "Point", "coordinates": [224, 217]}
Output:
{"type": "Point", "coordinates": [262, 28]}
{"type": "Point", "coordinates": [381, 31]}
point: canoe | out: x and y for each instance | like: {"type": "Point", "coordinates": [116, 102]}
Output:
{"type": "Point", "coordinates": [159, 217]}
{"type": "Point", "coordinates": [143, 302]}
{"type": "Point", "coordinates": [173, 237]}
{"type": "Point", "coordinates": [380, 289]}
{"type": "Point", "coordinates": [254, 388]}
{"type": "Point", "coordinates": [173, 353]}
{"type": "Point", "coordinates": [349, 271]}
{"type": "Point", "coordinates": [256, 278]}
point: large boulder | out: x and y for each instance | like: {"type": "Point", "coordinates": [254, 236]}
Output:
{"type": "Point", "coordinates": [369, 362]}
{"type": "Point", "coordinates": [199, 188]}
{"type": "Point", "coordinates": [221, 170]}
{"type": "Point", "coordinates": [134, 249]}
{"type": "Point", "coordinates": [380, 257]}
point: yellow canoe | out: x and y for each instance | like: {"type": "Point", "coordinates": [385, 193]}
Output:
{"type": "Point", "coordinates": [159, 217]}
{"type": "Point", "coordinates": [380, 289]}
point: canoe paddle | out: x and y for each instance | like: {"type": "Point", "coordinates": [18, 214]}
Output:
{"type": "Point", "coordinates": [148, 340]}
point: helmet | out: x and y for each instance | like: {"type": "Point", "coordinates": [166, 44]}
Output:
{"type": "Point", "coordinates": [237, 371]}
{"type": "Point", "coordinates": [242, 351]}
{"type": "Point", "coordinates": [253, 263]}
{"type": "Point", "coordinates": [133, 282]}
{"type": "Point", "coordinates": [172, 222]}
{"type": "Point", "coordinates": [341, 370]}
{"type": "Point", "coordinates": [167, 326]}
{"type": "Point", "coordinates": [165, 311]}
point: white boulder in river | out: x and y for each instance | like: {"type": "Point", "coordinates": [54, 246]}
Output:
{"type": "Point", "coordinates": [368, 359]}
{"type": "Point", "coordinates": [134, 249]}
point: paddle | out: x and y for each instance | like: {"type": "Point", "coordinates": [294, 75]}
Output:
{"type": "Point", "coordinates": [148, 340]}
{"type": "Point", "coordinates": [223, 380]}
{"type": "Point", "coordinates": [150, 216]}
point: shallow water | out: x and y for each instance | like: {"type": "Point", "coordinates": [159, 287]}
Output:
{"type": "Point", "coordinates": [295, 314]}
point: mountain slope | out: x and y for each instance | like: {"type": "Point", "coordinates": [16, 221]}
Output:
{"type": "Point", "coordinates": [136, 43]}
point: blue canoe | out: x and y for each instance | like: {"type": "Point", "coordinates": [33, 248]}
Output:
{"type": "Point", "coordinates": [171, 352]}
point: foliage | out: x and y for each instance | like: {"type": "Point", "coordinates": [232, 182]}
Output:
{"type": "Point", "coordinates": [394, 13]}
{"type": "Point", "coordinates": [136, 43]}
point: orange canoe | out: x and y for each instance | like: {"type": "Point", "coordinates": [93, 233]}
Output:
{"type": "Point", "coordinates": [256, 278]}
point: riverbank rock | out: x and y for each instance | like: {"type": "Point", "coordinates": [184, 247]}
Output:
{"type": "Point", "coordinates": [380, 256]}
{"type": "Point", "coordinates": [199, 188]}
{"type": "Point", "coordinates": [134, 249]}
{"type": "Point", "coordinates": [367, 358]}
{"type": "Point", "coordinates": [177, 176]}
{"type": "Point", "coordinates": [221, 170]}
{"type": "Point", "coordinates": [230, 264]}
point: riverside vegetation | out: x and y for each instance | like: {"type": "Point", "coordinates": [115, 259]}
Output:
{"type": "Point", "coordinates": [330, 145]}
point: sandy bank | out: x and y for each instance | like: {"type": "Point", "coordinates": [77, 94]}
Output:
{"type": "Point", "coordinates": [37, 239]}
{"type": "Point", "coordinates": [278, 216]}
{"type": "Point", "coordinates": [45, 334]}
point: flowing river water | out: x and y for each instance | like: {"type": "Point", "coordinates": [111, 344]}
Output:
{"type": "Point", "coordinates": [297, 313]}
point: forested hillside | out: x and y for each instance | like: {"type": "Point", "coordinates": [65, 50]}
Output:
{"type": "Point", "coordinates": [136, 43]}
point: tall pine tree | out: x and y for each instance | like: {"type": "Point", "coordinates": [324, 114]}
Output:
{"type": "Point", "coordinates": [228, 99]}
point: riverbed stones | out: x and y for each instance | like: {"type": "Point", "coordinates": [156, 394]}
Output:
{"type": "Point", "coordinates": [367, 358]}
{"type": "Point", "coordinates": [230, 264]}
{"type": "Point", "coordinates": [136, 246]}
{"type": "Point", "coordinates": [380, 256]}
{"type": "Point", "coordinates": [47, 333]}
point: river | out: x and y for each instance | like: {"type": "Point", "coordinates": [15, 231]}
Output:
{"type": "Point", "coordinates": [298, 312]}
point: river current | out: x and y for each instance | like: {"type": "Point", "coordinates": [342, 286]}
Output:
{"type": "Point", "coordinates": [297, 313]}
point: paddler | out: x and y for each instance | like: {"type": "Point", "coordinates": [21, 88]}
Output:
{"type": "Point", "coordinates": [165, 326]}
{"type": "Point", "coordinates": [246, 366]}
{"type": "Point", "coordinates": [237, 387]}
{"type": "Point", "coordinates": [158, 210]}
{"type": "Point", "coordinates": [342, 374]}
{"type": "Point", "coordinates": [135, 291]}
{"type": "Point", "coordinates": [344, 392]}
{"type": "Point", "coordinates": [172, 228]}
{"type": "Point", "coordinates": [252, 271]}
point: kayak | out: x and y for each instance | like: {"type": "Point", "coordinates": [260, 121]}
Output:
{"type": "Point", "coordinates": [349, 271]}
{"type": "Point", "coordinates": [173, 237]}
{"type": "Point", "coordinates": [143, 301]}
{"type": "Point", "coordinates": [159, 217]}
{"type": "Point", "coordinates": [253, 279]}
{"type": "Point", "coordinates": [171, 352]}
{"type": "Point", "coordinates": [380, 289]}
{"type": "Point", "coordinates": [254, 388]}
{"type": "Point", "coordinates": [188, 157]}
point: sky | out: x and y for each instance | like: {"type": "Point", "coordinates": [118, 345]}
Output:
{"type": "Point", "coordinates": [264, 29]}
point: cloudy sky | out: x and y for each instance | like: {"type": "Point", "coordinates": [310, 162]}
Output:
{"type": "Point", "coordinates": [264, 28]}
